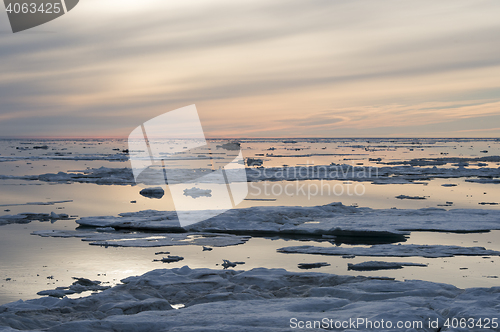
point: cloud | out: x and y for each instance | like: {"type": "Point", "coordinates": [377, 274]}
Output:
{"type": "Point", "coordinates": [281, 66]}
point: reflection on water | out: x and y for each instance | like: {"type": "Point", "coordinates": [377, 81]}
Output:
{"type": "Point", "coordinates": [28, 260]}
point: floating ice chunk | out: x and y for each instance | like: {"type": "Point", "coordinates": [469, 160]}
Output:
{"type": "Point", "coordinates": [390, 250]}
{"type": "Point", "coordinates": [444, 161]}
{"type": "Point", "coordinates": [410, 197]}
{"type": "Point", "coordinates": [254, 162]}
{"type": "Point", "coordinates": [79, 286]}
{"type": "Point", "coordinates": [69, 156]}
{"type": "Point", "coordinates": [39, 203]}
{"type": "Point", "coordinates": [169, 259]}
{"type": "Point", "coordinates": [155, 192]}
{"type": "Point", "coordinates": [307, 266]}
{"type": "Point", "coordinates": [484, 180]}
{"type": "Point", "coordinates": [25, 218]}
{"type": "Point", "coordinates": [231, 146]}
{"type": "Point", "coordinates": [227, 264]}
{"type": "Point", "coordinates": [197, 192]}
{"type": "Point", "coordinates": [54, 215]}
{"type": "Point", "coordinates": [379, 265]}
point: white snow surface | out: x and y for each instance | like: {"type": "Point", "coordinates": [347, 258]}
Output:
{"type": "Point", "coordinates": [392, 250]}
{"type": "Point", "coordinates": [331, 219]}
{"type": "Point", "coordinates": [256, 300]}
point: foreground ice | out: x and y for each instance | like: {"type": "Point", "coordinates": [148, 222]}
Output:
{"type": "Point", "coordinates": [256, 300]}
{"type": "Point", "coordinates": [332, 219]}
{"type": "Point", "coordinates": [391, 250]}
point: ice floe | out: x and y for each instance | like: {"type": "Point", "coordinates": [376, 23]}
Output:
{"type": "Point", "coordinates": [410, 197]}
{"type": "Point", "coordinates": [197, 192]}
{"type": "Point", "coordinates": [227, 264]}
{"type": "Point", "coordinates": [68, 156]}
{"type": "Point", "coordinates": [484, 180]}
{"type": "Point", "coordinates": [332, 219]}
{"type": "Point", "coordinates": [380, 265]}
{"type": "Point", "coordinates": [102, 175]}
{"type": "Point", "coordinates": [256, 300]}
{"type": "Point", "coordinates": [25, 218]}
{"type": "Point", "coordinates": [307, 266]}
{"type": "Point", "coordinates": [376, 175]}
{"type": "Point", "coordinates": [39, 203]}
{"type": "Point", "coordinates": [392, 250]}
{"type": "Point", "coordinates": [79, 286]}
{"type": "Point", "coordinates": [155, 192]}
{"type": "Point", "coordinates": [169, 259]}
{"type": "Point", "coordinates": [119, 239]}
{"type": "Point", "coordinates": [344, 172]}
{"type": "Point", "coordinates": [444, 161]}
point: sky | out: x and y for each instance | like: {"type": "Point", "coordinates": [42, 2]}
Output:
{"type": "Point", "coordinates": [315, 68]}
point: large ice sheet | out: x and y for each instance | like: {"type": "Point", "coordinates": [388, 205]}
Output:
{"type": "Point", "coordinates": [331, 219]}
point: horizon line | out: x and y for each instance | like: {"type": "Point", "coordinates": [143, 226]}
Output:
{"type": "Point", "coordinates": [252, 138]}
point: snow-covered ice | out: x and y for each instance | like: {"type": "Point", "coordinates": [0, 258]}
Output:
{"type": "Point", "coordinates": [332, 219]}
{"type": "Point", "coordinates": [119, 239]}
{"type": "Point", "coordinates": [256, 300]}
{"type": "Point", "coordinates": [345, 172]}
